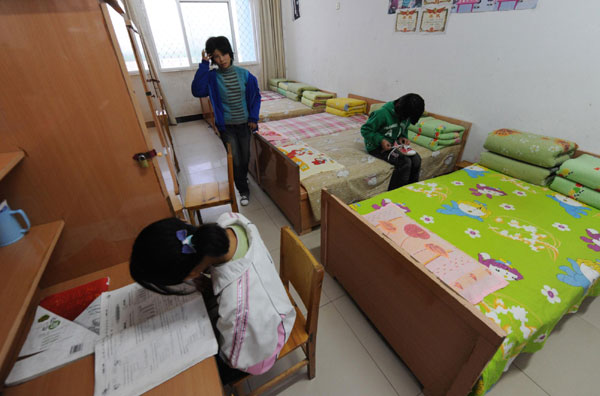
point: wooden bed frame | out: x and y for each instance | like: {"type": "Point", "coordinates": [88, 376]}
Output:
{"type": "Point", "coordinates": [279, 176]}
{"type": "Point", "coordinates": [444, 340]}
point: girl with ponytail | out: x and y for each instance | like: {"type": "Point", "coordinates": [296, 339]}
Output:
{"type": "Point", "coordinates": [255, 316]}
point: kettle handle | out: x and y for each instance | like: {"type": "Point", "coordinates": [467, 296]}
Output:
{"type": "Point", "coordinates": [24, 216]}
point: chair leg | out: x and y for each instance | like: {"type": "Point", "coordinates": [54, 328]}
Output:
{"type": "Point", "coordinates": [312, 356]}
{"type": "Point", "coordinates": [239, 389]}
{"type": "Point", "coordinates": [199, 217]}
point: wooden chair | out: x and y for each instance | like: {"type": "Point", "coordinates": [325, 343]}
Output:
{"type": "Point", "coordinates": [298, 267]}
{"type": "Point", "coordinates": [207, 195]}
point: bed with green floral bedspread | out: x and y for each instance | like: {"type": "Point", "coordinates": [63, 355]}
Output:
{"type": "Point", "coordinates": [545, 244]}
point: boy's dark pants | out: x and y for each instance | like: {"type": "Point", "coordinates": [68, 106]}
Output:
{"type": "Point", "coordinates": [406, 169]}
{"type": "Point", "coordinates": [238, 136]}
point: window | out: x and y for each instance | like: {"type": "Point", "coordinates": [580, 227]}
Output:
{"type": "Point", "coordinates": [180, 29]}
{"type": "Point", "coordinates": [125, 43]}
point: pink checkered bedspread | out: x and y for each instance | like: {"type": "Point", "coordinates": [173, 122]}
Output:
{"type": "Point", "coordinates": [270, 95]}
{"type": "Point", "coordinates": [309, 126]}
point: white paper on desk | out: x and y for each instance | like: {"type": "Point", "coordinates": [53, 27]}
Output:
{"type": "Point", "coordinates": [141, 357]}
{"type": "Point", "coordinates": [77, 342]}
{"type": "Point", "coordinates": [47, 329]}
{"type": "Point", "coordinates": [132, 304]}
{"type": "Point", "coordinates": [90, 317]}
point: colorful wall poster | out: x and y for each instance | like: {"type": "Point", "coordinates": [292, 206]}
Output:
{"type": "Point", "coordinates": [437, 2]}
{"type": "Point", "coordinates": [469, 6]}
{"type": "Point", "coordinates": [407, 20]}
{"type": "Point", "coordinates": [395, 5]}
{"type": "Point", "coordinates": [434, 20]}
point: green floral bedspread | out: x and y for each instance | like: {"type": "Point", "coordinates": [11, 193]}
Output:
{"type": "Point", "coordinates": [545, 244]}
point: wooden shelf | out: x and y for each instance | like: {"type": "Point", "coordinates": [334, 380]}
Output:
{"type": "Point", "coordinates": [21, 267]}
{"type": "Point", "coordinates": [8, 161]}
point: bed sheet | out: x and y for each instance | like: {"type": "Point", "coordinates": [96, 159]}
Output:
{"type": "Point", "coordinates": [545, 244]}
{"type": "Point", "coordinates": [278, 109]}
{"type": "Point", "coordinates": [270, 95]}
{"type": "Point", "coordinates": [306, 127]}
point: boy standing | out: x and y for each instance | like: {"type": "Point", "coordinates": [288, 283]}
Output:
{"type": "Point", "coordinates": [385, 134]}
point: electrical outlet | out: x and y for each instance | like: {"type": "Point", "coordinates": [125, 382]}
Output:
{"type": "Point", "coordinates": [337, 5]}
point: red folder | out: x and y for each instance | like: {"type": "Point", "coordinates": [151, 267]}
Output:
{"type": "Point", "coordinates": [71, 303]}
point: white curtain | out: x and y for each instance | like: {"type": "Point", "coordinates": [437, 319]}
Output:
{"type": "Point", "coordinates": [271, 41]}
{"type": "Point", "coordinates": [137, 13]}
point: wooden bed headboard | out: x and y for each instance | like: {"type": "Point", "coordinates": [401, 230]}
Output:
{"type": "Point", "coordinates": [368, 100]}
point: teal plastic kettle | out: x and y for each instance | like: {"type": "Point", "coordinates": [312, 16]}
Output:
{"type": "Point", "coordinates": [10, 229]}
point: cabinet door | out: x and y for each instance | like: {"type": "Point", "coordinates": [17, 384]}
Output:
{"type": "Point", "coordinates": [66, 103]}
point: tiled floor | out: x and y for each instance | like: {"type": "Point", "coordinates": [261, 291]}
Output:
{"type": "Point", "coordinates": [352, 358]}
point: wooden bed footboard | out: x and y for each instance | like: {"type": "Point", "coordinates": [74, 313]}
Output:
{"type": "Point", "coordinates": [444, 340]}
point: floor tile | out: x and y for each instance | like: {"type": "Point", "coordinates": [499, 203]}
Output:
{"type": "Point", "coordinates": [269, 233]}
{"type": "Point", "coordinates": [312, 239]}
{"type": "Point", "coordinates": [332, 288]}
{"type": "Point", "coordinates": [515, 382]}
{"type": "Point", "coordinates": [568, 364]}
{"type": "Point", "coordinates": [277, 216]}
{"type": "Point", "coordinates": [590, 311]}
{"type": "Point", "coordinates": [388, 362]}
{"type": "Point", "coordinates": [343, 365]}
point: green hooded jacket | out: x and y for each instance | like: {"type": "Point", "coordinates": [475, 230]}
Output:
{"type": "Point", "coordinates": [383, 124]}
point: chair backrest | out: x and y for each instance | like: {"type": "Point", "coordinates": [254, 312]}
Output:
{"type": "Point", "coordinates": [230, 179]}
{"type": "Point", "coordinates": [299, 267]}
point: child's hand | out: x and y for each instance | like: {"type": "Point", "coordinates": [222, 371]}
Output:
{"type": "Point", "coordinates": [205, 56]}
{"type": "Point", "coordinates": [253, 126]}
{"type": "Point", "coordinates": [385, 145]}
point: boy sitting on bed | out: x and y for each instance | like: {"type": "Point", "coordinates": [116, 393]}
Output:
{"type": "Point", "coordinates": [386, 137]}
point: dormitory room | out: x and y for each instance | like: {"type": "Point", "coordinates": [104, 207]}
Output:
{"type": "Point", "coordinates": [299, 197]}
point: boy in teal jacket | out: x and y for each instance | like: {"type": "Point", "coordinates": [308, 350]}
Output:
{"type": "Point", "coordinates": [385, 134]}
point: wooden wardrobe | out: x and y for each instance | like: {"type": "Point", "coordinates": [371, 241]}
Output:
{"type": "Point", "coordinates": [66, 101]}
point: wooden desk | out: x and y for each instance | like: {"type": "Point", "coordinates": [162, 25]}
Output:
{"type": "Point", "coordinates": [77, 378]}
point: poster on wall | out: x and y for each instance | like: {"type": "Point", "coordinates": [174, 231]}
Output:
{"type": "Point", "coordinates": [407, 20]}
{"type": "Point", "coordinates": [395, 5]}
{"type": "Point", "coordinates": [470, 6]}
{"type": "Point", "coordinates": [296, 9]}
{"type": "Point", "coordinates": [434, 20]}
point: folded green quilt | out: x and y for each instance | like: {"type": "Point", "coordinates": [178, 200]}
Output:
{"type": "Point", "coordinates": [276, 81]}
{"type": "Point", "coordinates": [432, 143]}
{"type": "Point", "coordinates": [584, 169]}
{"type": "Point", "coordinates": [534, 149]}
{"type": "Point", "coordinates": [576, 191]}
{"type": "Point", "coordinates": [521, 170]}
{"type": "Point", "coordinates": [281, 91]}
{"type": "Point", "coordinates": [273, 88]}
{"type": "Point", "coordinates": [317, 95]}
{"type": "Point", "coordinates": [292, 96]}
{"type": "Point", "coordinates": [298, 87]}
{"type": "Point", "coordinates": [434, 128]}
{"type": "Point", "coordinates": [283, 85]}
{"type": "Point", "coordinates": [312, 104]}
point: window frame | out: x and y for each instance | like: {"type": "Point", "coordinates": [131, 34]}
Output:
{"type": "Point", "coordinates": [193, 66]}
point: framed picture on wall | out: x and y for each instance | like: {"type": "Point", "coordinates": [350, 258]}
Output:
{"type": "Point", "coordinates": [296, 8]}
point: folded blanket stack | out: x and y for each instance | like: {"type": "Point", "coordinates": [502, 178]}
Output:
{"type": "Point", "coordinates": [345, 107]}
{"type": "Point", "coordinates": [526, 156]}
{"type": "Point", "coordinates": [274, 83]}
{"type": "Point", "coordinates": [294, 90]}
{"type": "Point", "coordinates": [435, 134]}
{"type": "Point", "coordinates": [579, 179]}
{"type": "Point", "coordinates": [315, 99]}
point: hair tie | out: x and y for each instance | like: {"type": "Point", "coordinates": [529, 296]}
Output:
{"type": "Point", "coordinates": [186, 242]}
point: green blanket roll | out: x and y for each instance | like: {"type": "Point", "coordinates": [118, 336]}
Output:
{"type": "Point", "coordinates": [298, 87]}
{"type": "Point", "coordinates": [520, 170]}
{"type": "Point", "coordinates": [531, 148]}
{"type": "Point", "coordinates": [275, 81]}
{"type": "Point", "coordinates": [312, 104]}
{"type": "Point", "coordinates": [273, 88]}
{"type": "Point", "coordinates": [281, 91]}
{"type": "Point", "coordinates": [432, 143]}
{"type": "Point", "coordinates": [317, 95]}
{"type": "Point", "coordinates": [283, 85]}
{"type": "Point", "coordinates": [293, 96]}
{"type": "Point", "coordinates": [434, 128]}
{"type": "Point", "coordinates": [584, 169]}
{"type": "Point", "coordinates": [576, 191]}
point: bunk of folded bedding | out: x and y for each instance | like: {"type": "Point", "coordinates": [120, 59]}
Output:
{"type": "Point", "coordinates": [579, 179]}
{"type": "Point", "coordinates": [434, 134]}
{"type": "Point", "coordinates": [274, 83]}
{"type": "Point", "coordinates": [543, 243]}
{"type": "Point", "coordinates": [530, 157]}
{"type": "Point", "coordinates": [315, 98]}
{"type": "Point", "coordinates": [345, 107]}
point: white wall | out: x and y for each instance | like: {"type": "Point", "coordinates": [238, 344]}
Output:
{"type": "Point", "coordinates": [177, 86]}
{"type": "Point", "coordinates": [534, 70]}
